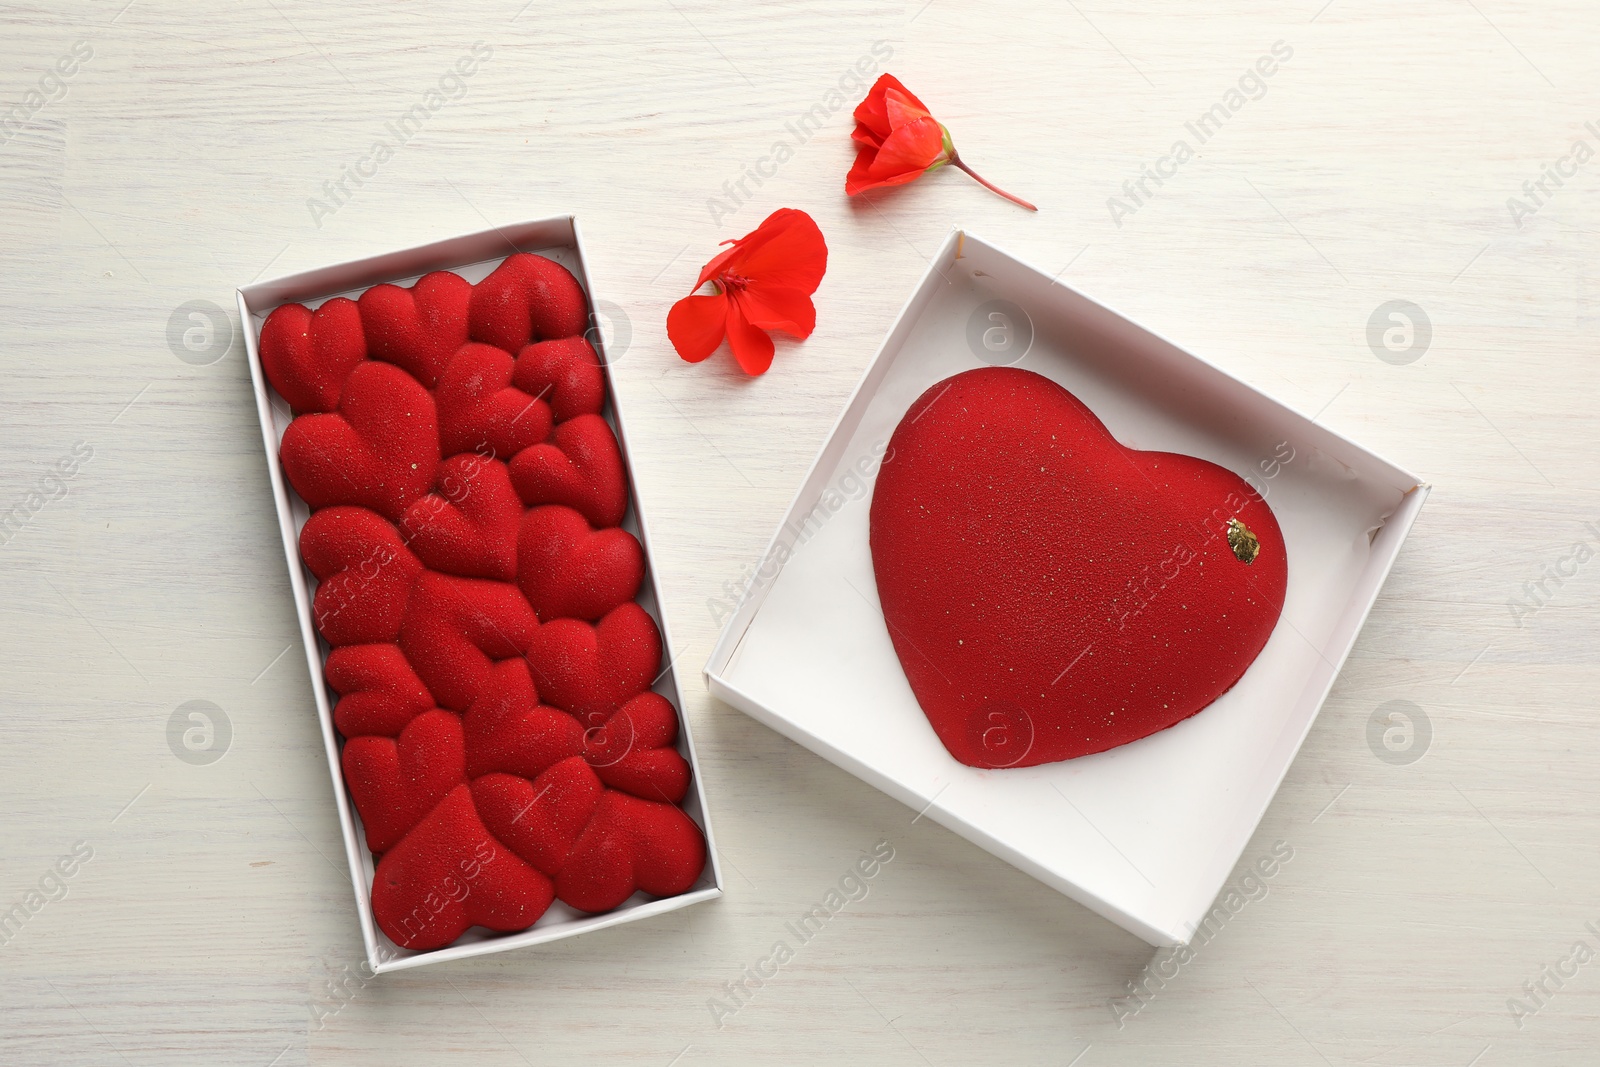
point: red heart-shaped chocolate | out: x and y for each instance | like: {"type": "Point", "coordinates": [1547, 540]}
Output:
{"type": "Point", "coordinates": [365, 574]}
{"type": "Point", "coordinates": [468, 525]}
{"type": "Point", "coordinates": [395, 782]}
{"type": "Point", "coordinates": [527, 298]}
{"type": "Point", "coordinates": [380, 449]}
{"type": "Point", "coordinates": [450, 873]}
{"type": "Point", "coordinates": [540, 820]}
{"type": "Point", "coordinates": [1052, 593]}
{"type": "Point", "coordinates": [580, 466]}
{"type": "Point", "coordinates": [509, 731]}
{"type": "Point", "coordinates": [631, 844]}
{"type": "Point", "coordinates": [378, 691]}
{"type": "Point", "coordinates": [569, 570]}
{"type": "Point", "coordinates": [567, 371]}
{"type": "Point", "coordinates": [308, 354]}
{"type": "Point", "coordinates": [464, 715]}
{"type": "Point", "coordinates": [481, 411]}
{"type": "Point", "coordinates": [592, 670]}
{"type": "Point", "coordinates": [420, 328]}
{"type": "Point", "coordinates": [633, 750]}
{"type": "Point", "coordinates": [456, 628]}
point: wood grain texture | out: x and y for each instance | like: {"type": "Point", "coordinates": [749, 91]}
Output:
{"type": "Point", "coordinates": [215, 912]}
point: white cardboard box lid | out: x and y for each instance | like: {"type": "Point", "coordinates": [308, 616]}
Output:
{"type": "Point", "coordinates": [472, 256]}
{"type": "Point", "coordinates": [1144, 834]}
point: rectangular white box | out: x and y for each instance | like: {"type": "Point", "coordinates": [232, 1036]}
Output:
{"type": "Point", "coordinates": [472, 256]}
{"type": "Point", "coordinates": [1144, 834]}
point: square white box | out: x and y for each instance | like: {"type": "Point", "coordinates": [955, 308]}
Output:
{"type": "Point", "coordinates": [472, 256]}
{"type": "Point", "coordinates": [1144, 834]}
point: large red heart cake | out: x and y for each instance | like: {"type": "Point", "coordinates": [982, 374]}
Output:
{"type": "Point", "coordinates": [1051, 593]}
{"type": "Point", "coordinates": [503, 745]}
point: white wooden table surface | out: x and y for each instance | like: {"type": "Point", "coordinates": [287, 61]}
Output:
{"type": "Point", "coordinates": [176, 162]}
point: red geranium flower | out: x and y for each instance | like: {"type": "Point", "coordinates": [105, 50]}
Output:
{"type": "Point", "coordinates": [899, 141]}
{"type": "Point", "coordinates": [764, 282]}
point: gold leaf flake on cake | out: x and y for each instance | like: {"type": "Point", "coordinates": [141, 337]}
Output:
{"type": "Point", "coordinates": [1246, 545]}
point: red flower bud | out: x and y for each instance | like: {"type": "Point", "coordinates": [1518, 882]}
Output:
{"type": "Point", "coordinates": [898, 140]}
